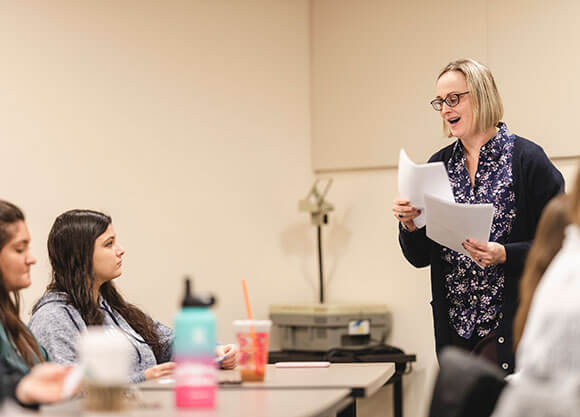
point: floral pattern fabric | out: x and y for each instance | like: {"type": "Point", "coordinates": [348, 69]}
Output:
{"type": "Point", "coordinates": [475, 295]}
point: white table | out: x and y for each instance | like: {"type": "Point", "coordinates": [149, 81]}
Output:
{"type": "Point", "coordinates": [361, 379]}
{"type": "Point", "coordinates": [231, 403]}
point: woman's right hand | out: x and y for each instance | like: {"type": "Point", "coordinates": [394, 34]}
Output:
{"type": "Point", "coordinates": [159, 371]}
{"type": "Point", "coordinates": [405, 213]}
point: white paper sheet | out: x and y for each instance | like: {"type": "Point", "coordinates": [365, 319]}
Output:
{"type": "Point", "coordinates": [417, 180]}
{"type": "Point", "coordinates": [449, 224]}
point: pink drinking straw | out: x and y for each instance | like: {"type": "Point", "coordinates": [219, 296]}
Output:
{"type": "Point", "coordinates": [252, 331]}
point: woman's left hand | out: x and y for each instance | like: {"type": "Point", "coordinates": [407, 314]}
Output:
{"type": "Point", "coordinates": [231, 359]}
{"type": "Point", "coordinates": [485, 253]}
{"type": "Point", "coordinates": [43, 384]}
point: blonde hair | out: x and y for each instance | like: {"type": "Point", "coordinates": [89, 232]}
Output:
{"type": "Point", "coordinates": [487, 105]}
{"type": "Point", "coordinates": [547, 243]}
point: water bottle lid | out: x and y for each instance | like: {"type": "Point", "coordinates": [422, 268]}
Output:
{"type": "Point", "coordinates": [190, 300]}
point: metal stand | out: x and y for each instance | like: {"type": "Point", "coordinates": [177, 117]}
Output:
{"type": "Point", "coordinates": [320, 272]}
{"type": "Point", "coordinates": [320, 263]}
{"type": "Point", "coordinates": [318, 208]}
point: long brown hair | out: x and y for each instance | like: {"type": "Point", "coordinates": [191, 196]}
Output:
{"type": "Point", "coordinates": [71, 244]}
{"type": "Point", "coordinates": [547, 243]}
{"type": "Point", "coordinates": [19, 334]}
{"type": "Point", "coordinates": [574, 204]}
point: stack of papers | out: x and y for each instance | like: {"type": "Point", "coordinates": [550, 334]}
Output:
{"type": "Point", "coordinates": [417, 180]}
{"type": "Point", "coordinates": [448, 223]}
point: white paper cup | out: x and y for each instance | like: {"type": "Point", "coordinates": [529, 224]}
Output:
{"type": "Point", "coordinates": [105, 356]}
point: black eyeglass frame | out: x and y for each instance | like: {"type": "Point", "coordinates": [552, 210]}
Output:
{"type": "Point", "coordinates": [438, 102]}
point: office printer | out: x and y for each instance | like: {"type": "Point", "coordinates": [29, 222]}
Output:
{"type": "Point", "coordinates": [320, 327]}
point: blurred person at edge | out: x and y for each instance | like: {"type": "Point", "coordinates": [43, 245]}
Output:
{"type": "Point", "coordinates": [474, 300]}
{"type": "Point", "coordinates": [550, 334]}
{"type": "Point", "coordinates": [547, 243]}
{"type": "Point", "coordinates": [25, 376]}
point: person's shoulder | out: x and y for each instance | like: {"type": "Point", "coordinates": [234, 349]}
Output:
{"type": "Point", "coordinates": [529, 158]}
{"type": "Point", "coordinates": [51, 311]}
{"type": "Point", "coordinates": [526, 148]}
{"type": "Point", "coordinates": [56, 321]}
{"type": "Point", "coordinates": [4, 341]}
{"type": "Point", "coordinates": [443, 154]}
{"type": "Point", "coordinates": [50, 317]}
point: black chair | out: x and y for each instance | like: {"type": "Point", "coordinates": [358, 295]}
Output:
{"type": "Point", "coordinates": [466, 386]}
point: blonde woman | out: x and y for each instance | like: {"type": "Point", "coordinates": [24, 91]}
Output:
{"type": "Point", "coordinates": [475, 298]}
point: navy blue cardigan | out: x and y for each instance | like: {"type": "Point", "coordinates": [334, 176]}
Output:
{"type": "Point", "coordinates": [535, 181]}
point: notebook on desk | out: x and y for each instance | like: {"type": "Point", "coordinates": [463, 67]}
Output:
{"type": "Point", "coordinates": [232, 376]}
{"type": "Point", "coordinates": [225, 377]}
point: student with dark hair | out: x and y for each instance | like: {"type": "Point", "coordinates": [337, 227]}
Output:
{"type": "Point", "coordinates": [85, 257]}
{"type": "Point", "coordinates": [19, 350]}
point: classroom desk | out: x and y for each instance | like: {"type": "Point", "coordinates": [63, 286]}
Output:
{"type": "Point", "coordinates": [401, 360]}
{"type": "Point", "coordinates": [231, 403]}
{"type": "Point", "coordinates": [361, 379]}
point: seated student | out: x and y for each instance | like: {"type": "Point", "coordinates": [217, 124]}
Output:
{"type": "Point", "coordinates": [547, 243]}
{"type": "Point", "coordinates": [19, 351]}
{"type": "Point", "coordinates": [548, 348]}
{"type": "Point", "coordinates": [546, 333]}
{"type": "Point", "coordinates": [466, 386]}
{"type": "Point", "coordinates": [85, 257]}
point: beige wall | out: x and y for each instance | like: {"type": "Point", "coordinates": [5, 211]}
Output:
{"type": "Point", "coordinates": [532, 48]}
{"type": "Point", "coordinates": [375, 62]}
{"type": "Point", "coordinates": [189, 122]}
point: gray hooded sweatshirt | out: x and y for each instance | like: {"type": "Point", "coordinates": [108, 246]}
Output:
{"type": "Point", "coordinates": [57, 326]}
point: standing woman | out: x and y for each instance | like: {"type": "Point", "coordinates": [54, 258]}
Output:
{"type": "Point", "coordinates": [19, 350]}
{"type": "Point", "coordinates": [474, 302]}
{"type": "Point", "coordinates": [85, 257]}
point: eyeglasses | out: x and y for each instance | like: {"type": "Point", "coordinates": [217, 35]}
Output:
{"type": "Point", "coordinates": [451, 100]}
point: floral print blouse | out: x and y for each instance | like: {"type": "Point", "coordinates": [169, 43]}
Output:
{"type": "Point", "coordinates": [475, 295]}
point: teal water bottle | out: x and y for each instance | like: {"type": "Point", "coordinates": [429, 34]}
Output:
{"type": "Point", "coordinates": [194, 347]}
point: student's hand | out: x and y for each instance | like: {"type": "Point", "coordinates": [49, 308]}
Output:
{"type": "Point", "coordinates": [485, 253]}
{"type": "Point", "coordinates": [405, 213]}
{"type": "Point", "coordinates": [43, 384]}
{"type": "Point", "coordinates": [231, 360]}
{"type": "Point", "coordinates": [160, 371]}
